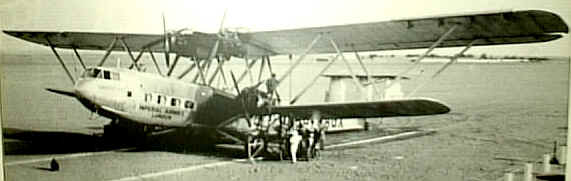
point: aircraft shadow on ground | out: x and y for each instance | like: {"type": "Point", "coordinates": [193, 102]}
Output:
{"type": "Point", "coordinates": [31, 142]}
{"type": "Point", "coordinates": [18, 141]}
{"type": "Point", "coordinates": [178, 142]}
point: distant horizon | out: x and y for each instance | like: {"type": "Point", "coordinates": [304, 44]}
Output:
{"type": "Point", "coordinates": [257, 15]}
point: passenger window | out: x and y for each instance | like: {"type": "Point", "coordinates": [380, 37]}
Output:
{"type": "Point", "coordinates": [174, 102]}
{"type": "Point", "coordinates": [188, 104]}
{"type": "Point", "coordinates": [148, 97]}
{"type": "Point", "coordinates": [161, 99]}
{"type": "Point", "coordinates": [114, 75]}
{"type": "Point", "coordinates": [106, 75]}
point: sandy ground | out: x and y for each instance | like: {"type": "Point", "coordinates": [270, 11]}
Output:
{"type": "Point", "coordinates": [463, 148]}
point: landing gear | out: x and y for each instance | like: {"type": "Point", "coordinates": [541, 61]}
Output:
{"type": "Point", "coordinates": [254, 145]}
{"type": "Point", "coordinates": [124, 132]}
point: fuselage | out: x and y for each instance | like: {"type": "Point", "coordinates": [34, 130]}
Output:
{"type": "Point", "coordinates": [152, 99]}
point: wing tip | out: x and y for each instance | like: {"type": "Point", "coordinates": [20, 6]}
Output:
{"type": "Point", "coordinates": [442, 107]}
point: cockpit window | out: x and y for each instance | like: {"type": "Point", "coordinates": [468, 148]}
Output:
{"type": "Point", "coordinates": [106, 75]}
{"type": "Point", "coordinates": [91, 72]}
{"type": "Point", "coordinates": [97, 73]}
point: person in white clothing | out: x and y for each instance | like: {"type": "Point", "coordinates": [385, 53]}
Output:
{"type": "Point", "coordinates": [294, 143]}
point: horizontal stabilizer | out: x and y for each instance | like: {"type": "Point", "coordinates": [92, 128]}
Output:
{"type": "Point", "coordinates": [62, 92]}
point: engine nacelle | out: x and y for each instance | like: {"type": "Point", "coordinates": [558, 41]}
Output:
{"type": "Point", "coordinates": [200, 45]}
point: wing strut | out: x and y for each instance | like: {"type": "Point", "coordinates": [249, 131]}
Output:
{"type": "Point", "coordinates": [262, 68]}
{"type": "Point", "coordinates": [171, 68]}
{"type": "Point", "coordinates": [155, 62]}
{"type": "Point", "coordinates": [269, 65]}
{"type": "Point", "coordinates": [222, 72]}
{"type": "Point", "coordinates": [136, 61]}
{"type": "Point", "coordinates": [299, 59]}
{"type": "Point", "coordinates": [79, 58]}
{"type": "Point", "coordinates": [188, 69]}
{"type": "Point", "coordinates": [416, 63]}
{"type": "Point", "coordinates": [207, 69]}
{"type": "Point", "coordinates": [109, 50]}
{"type": "Point", "coordinates": [355, 79]}
{"type": "Point", "coordinates": [369, 77]}
{"type": "Point", "coordinates": [60, 61]}
{"type": "Point", "coordinates": [434, 45]}
{"type": "Point", "coordinates": [200, 72]}
{"type": "Point", "coordinates": [248, 70]}
{"type": "Point", "coordinates": [128, 50]}
{"type": "Point", "coordinates": [452, 60]}
{"type": "Point", "coordinates": [218, 69]}
{"type": "Point", "coordinates": [313, 81]}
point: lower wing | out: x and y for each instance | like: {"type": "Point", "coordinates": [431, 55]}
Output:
{"type": "Point", "coordinates": [386, 108]}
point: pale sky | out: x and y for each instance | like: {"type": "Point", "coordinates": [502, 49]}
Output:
{"type": "Point", "coordinates": [144, 16]}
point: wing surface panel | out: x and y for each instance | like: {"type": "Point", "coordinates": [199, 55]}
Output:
{"type": "Point", "coordinates": [387, 108]}
{"type": "Point", "coordinates": [489, 28]}
{"type": "Point", "coordinates": [91, 41]}
{"type": "Point", "coordinates": [486, 28]}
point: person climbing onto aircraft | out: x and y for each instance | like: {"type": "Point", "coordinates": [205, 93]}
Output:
{"type": "Point", "coordinates": [271, 86]}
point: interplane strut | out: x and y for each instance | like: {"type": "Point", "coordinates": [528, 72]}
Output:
{"type": "Point", "coordinates": [452, 60]}
{"type": "Point", "coordinates": [432, 47]}
{"type": "Point", "coordinates": [60, 61]}
{"type": "Point", "coordinates": [314, 80]}
{"type": "Point", "coordinates": [299, 59]}
{"type": "Point", "coordinates": [108, 52]}
{"type": "Point", "coordinates": [355, 79]}
{"type": "Point", "coordinates": [128, 50]}
{"type": "Point", "coordinates": [155, 62]}
{"type": "Point", "coordinates": [369, 77]}
{"type": "Point", "coordinates": [79, 58]}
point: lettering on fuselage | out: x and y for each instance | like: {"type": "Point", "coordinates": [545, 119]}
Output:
{"type": "Point", "coordinates": [159, 110]}
{"type": "Point", "coordinates": [162, 116]}
{"type": "Point", "coordinates": [149, 108]}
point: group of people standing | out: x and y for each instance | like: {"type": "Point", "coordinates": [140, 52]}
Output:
{"type": "Point", "coordinates": [311, 136]}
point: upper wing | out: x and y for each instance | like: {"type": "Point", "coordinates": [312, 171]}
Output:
{"type": "Point", "coordinates": [488, 28]}
{"type": "Point", "coordinates": [91, 41]}
{"type": "Point", "coordinates": [103, 41]}
{"type": "Point", "coordinates": [387, 108]}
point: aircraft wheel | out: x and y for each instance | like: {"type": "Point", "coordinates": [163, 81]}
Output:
{"type": "Point", "coordinates": [315, 153]}
{"type": "Point", "coordinates": [254, 146]}
{"type": "Point", "coordinates": [112, 134]}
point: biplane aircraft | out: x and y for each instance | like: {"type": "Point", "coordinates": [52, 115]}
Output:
{"type": "Point", "coordinates": [141, 103]}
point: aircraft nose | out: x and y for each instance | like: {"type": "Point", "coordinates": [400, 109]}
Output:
{"type": "Point", "coordinates": [84, 89]}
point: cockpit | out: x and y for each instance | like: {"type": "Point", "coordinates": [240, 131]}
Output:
{"type": "Point", "coordinates": [100, 74]}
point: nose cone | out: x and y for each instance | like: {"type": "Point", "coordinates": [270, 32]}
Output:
{"type": "Point", "coordinates": [84, 89]}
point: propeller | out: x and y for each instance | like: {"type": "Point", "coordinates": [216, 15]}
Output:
{"type": "Point", "coordinates": [167, 41]}
{"type": "Point", "coordinates": [242, 99]}
{"type": "Point", "coordinates": [221, 29]}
